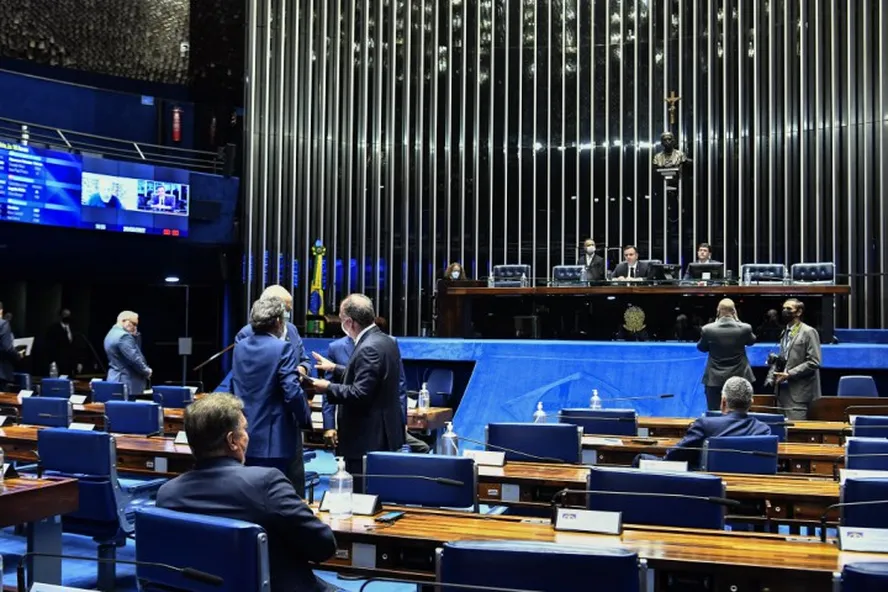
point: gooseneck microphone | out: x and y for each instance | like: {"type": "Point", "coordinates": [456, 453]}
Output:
{"type": "Point", "coordinates": [548, 459]}
{"type": "Point", "coordinates": [844, 505]}
{"type": "Point", "coordinates": [721, 501]}
{"type": "Point", "coordinates": [439, 480]}
{"type": "Point", "coordinates": [186, 572]}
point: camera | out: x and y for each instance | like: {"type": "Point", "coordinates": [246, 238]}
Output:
{"type": "Point", "coordinates": [777, 362]}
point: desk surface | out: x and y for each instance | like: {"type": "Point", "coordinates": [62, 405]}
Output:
{"type": "Point", "coordinates": [623, 288]}
{"type": "Point", "coordinates": [28, 500]}
{"type": "Point", "coordinates": [827, 452]}
{"type": "Point", "coordinates": [799, 425]}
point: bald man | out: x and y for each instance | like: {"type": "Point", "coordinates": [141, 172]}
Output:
{"type": "Point", "coordinates": [725, 341]}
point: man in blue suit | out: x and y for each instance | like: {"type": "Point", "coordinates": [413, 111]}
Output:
{"type": "Point", "coordinates": [734, 421]}
{"type": "Point", "coordinates": [265, 377]}
{"type": "Point", "coordinates": [126, 363]}
{"type": "Point", "coordinates": [291, 335]}
{"type": "Point", "coordinates": [220, 485]}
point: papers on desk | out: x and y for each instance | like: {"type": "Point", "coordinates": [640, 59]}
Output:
{"type": "Point", "coordinates": [860, 474]}
{"type": "Point", "coordinates": [77, 399]}
{"type": "Point", "coordinates": [84, 427]}
{"type": "Point", "coordinates": [596, 441]}
{"type": "Point", "coordinates": [23, 343]}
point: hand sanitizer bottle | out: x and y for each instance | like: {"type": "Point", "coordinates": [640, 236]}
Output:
{"type": "Point", "coordinates": [595, 402]}
{"type": "Point", "coordinates": [539, 416]}
{"type": "Point", "coordinates": [339, 494]}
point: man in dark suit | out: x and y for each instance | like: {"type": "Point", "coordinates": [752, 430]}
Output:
{"type": "Point", "coordinates": [734, 421]}
{"type": "Point", "coordinates": [593, 262]}
{"type": "Point", "coordinates": [631, 268]}
{"type": "Point", "coordinates": [265, 377]}
{"type": "Point", "coordinates": [8, 354]}
{"type": "Point", "coordinates": [725, 341]}
{"type": "Point", "coordinates": [798, 384]}
{"type": "Point", "coordinates": [369, 415]}
{"type": "Point", "coordinates": [220, 485]}
{"type": "Point", "coordinates": [704, 255]}
{"type": "Point", "coordinates": [58, 345]}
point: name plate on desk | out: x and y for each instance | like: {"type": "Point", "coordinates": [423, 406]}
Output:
{"type": "Point", "coordinates": [8, 471]}
{"type": "Point", "coordinates": [2, 419]}
{"type": "Point", "coordinates": [598, 441]}
{"type": "Point", "coordinates": [486, 458]}
{"type": "Point", "coordinates": [83, 427]}
{"type": "Point", "coordinates": [593, 521]}
{"type": "Point", "coordinates": [362, 504]}
{"type": "Point", "coordinates": [77, 399]}
{"type": "Point", "coordinates": [663, 466]}
{"type": "Point", "coordinates": [181, 438]}
{"type": "Point", "coordinates": [868, 540]}
{"type": "Point", "coordinates": [24, 394]}
{"type": "Point", "coordinates": [860, 474]}
{"type": "Point", "coordinates": [38, 587]}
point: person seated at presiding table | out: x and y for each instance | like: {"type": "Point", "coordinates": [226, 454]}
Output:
{"type": "Point", "coordinates": [734, 421]}
{"type": "Point", "coordinates": [220, 485]}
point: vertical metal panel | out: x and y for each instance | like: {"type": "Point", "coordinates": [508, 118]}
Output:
{"type": "Point", "coordinates": [787, 125]}
{"type": "Point", "coordinates": [651, 134]}
{"type": "Point", "coordinates": [696, 33]}
{"type": "Point", "coordinates": [251, 89]}
{"type": "Point", "coordinates": [463, 75]}
{"type": "Point", "coordinates": [835, 124]}
{"type": "Point", "coordinates": [680, 137]}
{"type": "Point", "coordinates": [448, 136]}
{"type": "Point", "coordinates": [620, 152]}
{"type": "Point", "coordinates": [309, 135]}
{"type": "Point", "coordinates": [363, 141]}
{"type": "Point", "coordinates": [666, 125]}
{"type": "Point", "coordinates": [278, 134]}
{"type": "Point", "coordinates": [757, 132]}
{"type": "Point", "coordinates": [435, 72]}
{"type": "Point", "coordinates": [295, 131]}
{"type": "Point", "coordinates": [608, 142]}
{"type": "Point", "coordinates": [850, 194]}
{"type": "Point", "coordinates": [406, 122]}
{"type": "Point", "coordinates": [725, 129]}
{"type": "Point", "coordinates": [421, 229]}
{"type": "Point", "coordinates": [710, 80]}
{"type": "Point", "coordinates": [391, 268]}
{"type": "Point", "coordinates": [772, 128]}
{"type": "Point", "coordinates": [351, 147]}
{"type": "Point", "coordinates": [592, 87]}
{"type": "Point", "coordinates": [491, 110]}
{"type": "Point", "coordinates": [378, 148]}
{"type": "Point", "coordinates": [636, 150]}
{"type": "Point", "coordinates": [741, 139]}
{"type": "Point", "coordinates": [865, 13]}
{"type": "Point", "coordinates": [476, 141]}
{"type": "Point", "coordinates": [578, 121]}
{"type": "Point", "coordinates": [506, 105]}
{"type": "Point", "coordinates": [802, 127]}
{"type": "Point", "coordinates": [818, 134]}
{"type": "Point", "coordinates": [337, 112]}
{"type": "Point", "coordinates": [883, 192]}
{"type": "Point", "coordinates": [520, 204]}
{"type": "Point", "coordinates": [533, 150]}
{"type": "Point", "coordinates": [320, 133]}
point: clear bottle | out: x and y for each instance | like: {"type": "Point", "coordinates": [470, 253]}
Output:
{"type": "Point", "coordinates": [584, 276]}
{"type": "Point", "coordinates": [539, 416]}
{"type": "Point", "coordinates": [339, 494]}
{"type": "Point", "coordinates": [746, 280]}
{"type": "Point", "coordinates": [595, 401]}
{"type": "Point", "coordinates": [1, 483]}
{"type": "Point", "coordinates": [53, 370]}
{"type": "Point", "coordinates": [490, 280]}
{"type": "Point", "coordinates": [523, 280]}
{"type": "Point", "coordinates": [424, 401]}
{"type": "Point", "coordinates": [786, 280]}
{"type": "Point", "coordinates": [448, 445]}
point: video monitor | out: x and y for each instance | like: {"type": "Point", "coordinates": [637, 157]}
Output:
{"type": "Point", "coordinates": [706, 271]}
{"type": "Point", "coordinates": [39, 186]}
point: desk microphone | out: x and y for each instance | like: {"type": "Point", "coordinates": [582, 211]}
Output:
{"type": "Point", "coordinates": [439, 480]}
{"type": "Point", "coordinates": [598, 418]}
{"type": "Point", "coordinates": [444, 585]}
{"type": "Point", "coordinates": [782, 409]}
{"type": "Point", "coordinates": [548, 459]}
{"type": "Point", "coordinates": [844, 505]}
{"type": "Point", "coordinates": [641, 398]}
{"type": "Point", "coordinates": [721, 501]}
{"type": "Point", "coordinates": [187, 572]}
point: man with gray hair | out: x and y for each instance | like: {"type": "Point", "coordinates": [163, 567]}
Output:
{"type": "Point", "coordinates": [126, 363]}
{"type": "Point", "coordinates": [219, 485]}
{"type": "Point", "coordinates": [264, 375]}
{"type": "Point", "coordinates": [725, 341]}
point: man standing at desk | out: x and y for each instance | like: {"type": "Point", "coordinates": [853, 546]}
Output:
{"type": "Point", "coordinates": [796, 373]}
{"type": "Point", "coordinates": [126, 363]}
{"type": "Point", "coordinates": [369, 415]}
{"type": "Point", "coordinates": [593, 262]}
{"type": "Point", "coordinates": [725, 341]}
{"type": "Point", "coordinates": [8, 354]}
{"type": "Point", "coordinates": [631, 268]}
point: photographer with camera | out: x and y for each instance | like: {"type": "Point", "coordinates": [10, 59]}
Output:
{"type": "Point", "coordinates": [795, 371]}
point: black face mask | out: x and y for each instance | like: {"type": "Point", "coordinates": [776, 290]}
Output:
{"type": "Point", "coordinates": [786, 316]}
{"type": "Point", "coordinates": [66, 320]}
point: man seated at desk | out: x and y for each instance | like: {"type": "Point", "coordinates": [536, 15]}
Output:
{"type": "Point", "coordinates": [631, 269]}
{"type": "Point", "coordinates": [734, 421]}
{"type": "Point", "coordinates": [220, 485]}
{"type": "Point", "coordinates": [704, 255]}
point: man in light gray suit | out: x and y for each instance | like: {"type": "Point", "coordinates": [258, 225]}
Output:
{"type": "Point", "coordinates": [798, 384]}
{"type": "Point", "coordinates": [725, 341]}
{"type": "Point", "coordinates": [126, 363]}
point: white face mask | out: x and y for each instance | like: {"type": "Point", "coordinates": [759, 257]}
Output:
{"type": "Point", "coordinates": [454, 275]}
{"type": "Point", "coordinates": [590, 250]}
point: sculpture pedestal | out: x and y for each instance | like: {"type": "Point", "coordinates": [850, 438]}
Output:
{"type": "Point", "coordinates": [669, 173]}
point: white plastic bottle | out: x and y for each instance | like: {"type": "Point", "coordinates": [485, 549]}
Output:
{"type": "Point", "coordinates": [490, 283]}
{"type": "Point", "coordinates": [339, 494]}
{"type": "Point", "coordinates": [53, 370]}
{"type": "Point", "coordinates": [539, 416]}
{"type": "Point", "coordinates": [448, 445]}
{"type": "Point", "coordinates": [595, 401]}
{"type": "Point", "coordinates": [523, 280]}
{"type": "Point", "coordinates": [424, 400]}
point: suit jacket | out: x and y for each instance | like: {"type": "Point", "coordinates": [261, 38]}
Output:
{"type": "Point", "coordinates": [622, 269]}
{"type": "Point", "coordinates": [265, 378]}
{"type": "Point", "coordinates": [803, 359]}
{"type": "Point", "coordinates": [594, 267]}
{"type": "Point", "coordinates": [225, 488]}
{"type": "Point", "coordinates": [59, 349]}
{"type": "Point", "coordinates": [126, 363]}
{"type": "Point", "coordinates": [735, 423]}
{"type": "Point", "coordinates": [8, 355]}
{"type": "Point", "coordinates": [340, 351]}
{"type": "Point", "coordinates": [725, 340]}
{"type": "Point", "coordinates": [292, 336]}
{"type": "Point", "coordinates": [370, 416]}
{"type": "Point", "coordinates": [687, 275]}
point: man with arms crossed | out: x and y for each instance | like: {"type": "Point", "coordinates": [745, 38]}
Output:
{"type": "Point", "coordinates": [725, 341]}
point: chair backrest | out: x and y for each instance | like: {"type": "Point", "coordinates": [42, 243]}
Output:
{"type": "Point", "coordinates": [773, 420]}
{"type": "Point", "coordinates": [763, 272]}
{"type": "Point", "coordinates": [49, 411]}
{"type": "Point", "coordinates": [56, 387]}
{"type": "Point", "coordinates": [234, 550]}
{"type": "Point", "coordinates": [510, 275]}
{"type": "Point", "coordinates": [134, 417]}
{"type": "Point", "coordinates": [658, 510]}
{"type": "Point", "coordinates": [567, 274]}
{"type": "Point", "coordinates": [172, 397]}
{"type": "Point", "coordinates": [869, 454]}
{"type": "Point", "coordinates": [608, 422]}
{"type": "Point", "coordinates": [440, 384]}
{"type": "Point", "coordinates": [22, 381]}
{"type": "Point", "coordinates": [717, 459]}
{"type": "Point", "coordinates": [417, 491]}
{"type": "Point", "coordinates": [863, 490]}
{"type": "Point", "coordinates": [857, 386]}
{"type": "Point", "coordinates": [539, 566]}
{"type": "Point", "coordinates": [104, 391]}
{"type": "Point", "coordinates": [550, 441]}
{"type": "Point", "coordinates": [813, 273]}
{"type": "Point", "coordinates": [866, 576]}
{"type": "Point", "coordinates": [870, 426]}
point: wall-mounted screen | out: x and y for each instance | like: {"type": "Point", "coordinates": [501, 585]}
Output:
{"type": "Point", "coordinates": [39, 186]}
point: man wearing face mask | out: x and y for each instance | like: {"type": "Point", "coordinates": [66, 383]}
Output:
{"type": "Point", "coordinates": [798, 383]}
{"type": "Point", "coordinates": [126, 363]}
{"type": "Point", "coordinates": [368, 414]}
{"type": "Point", "coordinates": [265, 377]}
{"type": "Point", "coordinates": [593, 262]}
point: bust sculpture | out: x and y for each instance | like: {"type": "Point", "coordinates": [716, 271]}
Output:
{"type": "Point", "coordinates": [670, 157]}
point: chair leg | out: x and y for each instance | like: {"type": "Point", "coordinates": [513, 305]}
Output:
{"type": "Point", "coordinates": [107, 570]}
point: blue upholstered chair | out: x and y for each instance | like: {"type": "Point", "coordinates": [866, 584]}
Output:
{"type": "Point", "coordinates": [439, 381]}
{"type": "Point", "coordinates": [857, 386]}
{"type": "Point", "coordinates": [134, 417]}
{"type": "Point", "coordinates": [510, 275]}
{"type": "Point", "coordinates": [172, 397]}
{"type": "Point", "coordinates": [567, 275]}
{"type": "Point", "coordinates": [417, 491]}
{"type": "Point", "coordinates": [864, 490]}
{"type": "Point", "coordinates": [866, 453]}
{"type": "Point", "coordinates": [823, 273]}
{"type": "Point", "coordinates": [764, 273]}
{"type": "Point", "coordinates": [21, 381]}
{"type": "Point", "coordinates": [104, 391]}
{"type": "Point", "coordinates": [771, 419]}
{"type": "Point", "coordinates": [717, 459]}
{"type": "Point", "coordinates": [527, 565]}
{"type": "Point", "coordinates": [870, 426]}
{"type": "Point", "coordinates": [234, 550]}
{"type": "Point", "coordinates": [607, 422]}
{"type": "Point", "coordinates": [56, 387]}
{"type": "Point", "coordinates": [661, 510]}
{"type": "Point", "coordinates": [48, 411]}
{"type": "Point", "coordinates": [540, 442]}
{"type": "Point", "coordinates": [862, 577]}
{"type": "Point", "coordinates": [107, 501]}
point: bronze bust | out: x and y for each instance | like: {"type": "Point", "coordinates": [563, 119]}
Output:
{"type": "Point", "coordinates": [670, 157]}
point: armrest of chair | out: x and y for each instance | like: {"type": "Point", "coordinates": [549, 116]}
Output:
{"type": "Point", "coordinates": [137, 486]}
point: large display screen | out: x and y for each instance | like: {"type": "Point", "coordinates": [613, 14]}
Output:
{"type": "Point", "coordinates": [39, 186]}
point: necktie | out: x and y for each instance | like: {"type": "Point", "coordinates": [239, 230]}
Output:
{"type": "Point", "coordinates": [632, 272]}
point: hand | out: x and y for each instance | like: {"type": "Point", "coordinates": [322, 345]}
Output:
{"type": "Point", "coordinates": [323, 364]}
{"type": "Point", "coordinates": [150, 372]}
{"type": "Point", "coordinates": [781, 377]}
{"type": "Point", "coordinates": [301, 370]}
{"type": "Point", "coordinates": [331, 438]}
{"type": "Point", "coordinates": [320, 385]}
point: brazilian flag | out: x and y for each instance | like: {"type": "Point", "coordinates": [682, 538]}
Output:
{"type": "Point", "coordinates": [314, 322]}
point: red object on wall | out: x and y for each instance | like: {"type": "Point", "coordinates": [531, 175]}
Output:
{"type": "Point", "coordinates": [177, 124]}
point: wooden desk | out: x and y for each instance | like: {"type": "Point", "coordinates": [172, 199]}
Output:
{"type": "Point", "coordinates": [812, 432]}
{"type": "Point", "coordinates": [836, 408]}
{"type": "Point", "coordinates": [795, 457]}
{"type": "Point", "coordinates": [749, 561]}
{"type": "Point", "coordinates": [433, 418]}
{"type": "Point", "coordinates": [38, 503]}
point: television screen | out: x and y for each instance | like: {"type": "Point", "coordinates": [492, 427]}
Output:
{"type": "Point", "coordinates": [39, 186]}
